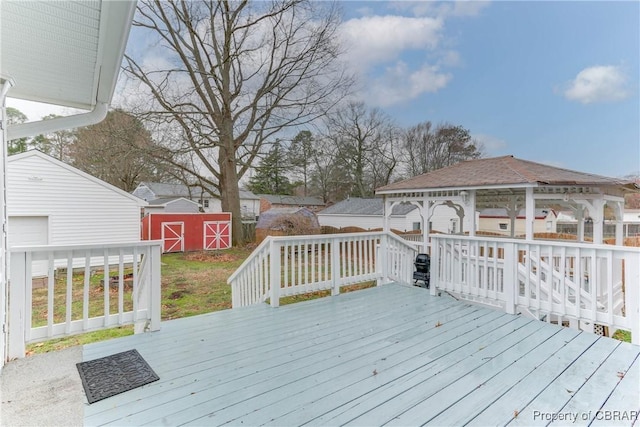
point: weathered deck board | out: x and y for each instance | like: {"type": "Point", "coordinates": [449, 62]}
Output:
{"type": "Point", "coordinates": [392, 354]}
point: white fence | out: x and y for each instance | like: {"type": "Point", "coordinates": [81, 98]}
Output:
{"type": "Point", "coordinates": [292, 265]}
{"type": "Point", "coordinates": [582, 285]}
{"type": "Point", "coordinates": [124, 290]}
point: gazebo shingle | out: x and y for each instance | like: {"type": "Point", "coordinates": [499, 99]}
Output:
{"type": "Point", "coordinates": [498, 171]}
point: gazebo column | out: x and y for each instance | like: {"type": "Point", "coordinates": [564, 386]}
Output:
{"type": "Point", "coordinates": [512, 211]}
{"type": "Point", "coordinates": [580, 218]}
{"type": "Point", "coordinates": [595, 208]}
{"type": "Point", "coordinates": [386, 210]}
{"type": "Point", "coordinates": [618, 209]}
{"type": "Point", "coordinates": [470, 212]}
{"type": "Point", "coordinates": [426, 225]}
{"type": "Point", "coordinates": [530, 213]}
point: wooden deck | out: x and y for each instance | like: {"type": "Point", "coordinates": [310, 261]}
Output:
{"type": "Point", "coordinates": [388, 355]}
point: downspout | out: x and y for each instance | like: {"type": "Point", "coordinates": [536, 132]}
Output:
{"type": "Point", "coordinates": [60, 123]}
{"type": "Point", "coordinates": [4, 252]}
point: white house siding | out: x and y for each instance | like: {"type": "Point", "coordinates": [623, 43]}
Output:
{"type": "Point", "coordinates": [80, 210]}
{"type": "Point", "coordinates": [249, 208]}
{"type": "Point", "coordinates": [370, 222]}
{"type": "Point", "coordinates": [215, 205]}
{"type": "Point", "coordinates": [444, 218]}
{"type": "Point", "coordinates": [547, 224]}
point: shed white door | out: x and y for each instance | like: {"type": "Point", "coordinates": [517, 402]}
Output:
{"type": "Point", "coordinates": [217, 235]}
{"type": "Point", "coordinates": [173, 236]}
{"type": "Point", "coordinates": [30, 231]}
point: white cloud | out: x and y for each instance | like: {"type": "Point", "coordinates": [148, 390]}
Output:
{"type": "Point", "coordinates": [404, 54]}
{"type": "Point", "coordinates": [601, 83]}
{"type": "Point", "coordinates": [443, 9]}
{"type": "Point", "coordinates": [374, 40]}
{"type": "Point", "coordinates": [399, 84]}
{"type": "Point", "coordinates": [491, 144]}
{"type": "Point", "coordinates": [35, 111]}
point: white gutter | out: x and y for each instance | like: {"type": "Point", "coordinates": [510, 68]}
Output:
{"type": "Point", "coordinates": [60, 123]}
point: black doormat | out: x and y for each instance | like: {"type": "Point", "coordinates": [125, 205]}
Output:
{"type": "Point", "coordinates": [115, 374]}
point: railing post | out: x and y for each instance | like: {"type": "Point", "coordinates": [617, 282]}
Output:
{"type": "Point", "coordinates": [632, 294]}
{"type": "Point", "coordinates": [510, 277]}
{"type": "Point", "coordinates": [274, 272]}
{"type": "Point", "coordinates": [383, 259]}
{"type": "Point", "coordinates": [335, 266]}
{"type": "Point", "coordinates": [434, 268]}
{"type": "Point", "coordinates": [17, 305]}
{"type": "Point", "coordinates": [156, 289]}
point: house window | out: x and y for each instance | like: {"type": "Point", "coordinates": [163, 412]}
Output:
{"type": "Point", "coordinates": [503, 226]}
{"type": "Point", "coordinates": [416, 226]}
{"type": "Point", "coordinates": [206, 203]}
{"type": "Point", "coordinates": [549, 225]}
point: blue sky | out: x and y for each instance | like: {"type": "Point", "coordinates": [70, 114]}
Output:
{"type": "Point", "coordinates": [552, 82]}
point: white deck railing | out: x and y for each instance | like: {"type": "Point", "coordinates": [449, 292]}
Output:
{"type": "Point", "coordinates": [580, 284]}
{"type": "Point", "coordinates": [85, 288]}
{"type": "Point", "coordinates": [292, 265]}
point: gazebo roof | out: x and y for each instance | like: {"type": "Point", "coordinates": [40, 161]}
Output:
{"type": "Point", "coordinates": [500, 172]}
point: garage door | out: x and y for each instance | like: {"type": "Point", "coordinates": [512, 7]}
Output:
{"type": "Point", "coordinates": [30, 231]}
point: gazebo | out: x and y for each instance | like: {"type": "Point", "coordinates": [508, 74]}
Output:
{"type": "Point", "coordinates": [512, 184]}
{"type": "Point", "coordinates": [585, 285]}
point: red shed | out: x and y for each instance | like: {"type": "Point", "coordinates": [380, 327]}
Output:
{"type": "Point", "coordinates": [182, 232]}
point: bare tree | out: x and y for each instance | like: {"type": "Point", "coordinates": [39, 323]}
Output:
{"type": "Point", "coordinates": [426, 148]}
{"type": "Point", "coordinates": [118, 150]}
{"type": "Point", "coordinates": [365, 138]}
{"type": "Point", "coordinates": [301, 151]}
{"type": "Point", "coordinates": [329, 180]}
{"type": "Point", "coordinates": [56, 144]}
{"type": "Point", "coordinates": [235, 74]}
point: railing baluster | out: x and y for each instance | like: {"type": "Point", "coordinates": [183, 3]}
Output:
{"type": "Point", "coordinates": [50, 294]}
{"type": "Point", "coordinates": [69, 299]}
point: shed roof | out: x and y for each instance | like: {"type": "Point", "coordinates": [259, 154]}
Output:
{"type": "Point", "coordinates": [38, 154]}
{"type": "Point", "coordinates": [370, 207]}
{"type": "Point", "coordinates": [502, 171]}
{"type": "Point", "coordinates": [168, 200]}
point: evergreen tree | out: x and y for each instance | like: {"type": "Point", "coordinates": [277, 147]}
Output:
{"type": "Point", "coordinates": [270, 177]}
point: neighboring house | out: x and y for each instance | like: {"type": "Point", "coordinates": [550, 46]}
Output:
{"type": "Point", "coordinates": [172, 205]}
{"type": "Point", "coordinates": [269, 201]}
{"type": "Point", "coordinates": [368, 214]}
{"type": "Point", "coordinates": [631, 222]}
{"type": "Point", "coordinates": [209, 203]}
{"type": "Point", "coordinates": [498, 221]}
{"type": "Point", "coordinates": [52, 203]}
{"type": "Point", "coordinates": [249, 206]}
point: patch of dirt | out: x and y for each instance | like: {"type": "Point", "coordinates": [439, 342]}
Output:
{"type": "Point", "coordinates": [178, 294]}
{"type": "Point", "coordinates": [217, 256]}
